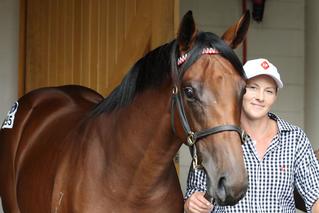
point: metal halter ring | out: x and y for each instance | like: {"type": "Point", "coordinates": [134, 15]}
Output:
{"type": "Point", "coordinates": [174, 90]}
{"type": "Point", "coordinates": [190, 139]}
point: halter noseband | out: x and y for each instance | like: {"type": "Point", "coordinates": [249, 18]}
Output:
{"type": "Point", "coordinates": [192, 136]}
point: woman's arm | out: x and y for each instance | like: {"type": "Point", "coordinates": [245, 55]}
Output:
{"type": "Point", "coordinates": [315, 207]}
{"type": "Point", "coordinates": [195, 201]}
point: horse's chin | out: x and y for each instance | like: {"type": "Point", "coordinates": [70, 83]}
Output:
{"type": "Point", "coordinates": [215, 199]}
{"type": "Point", "coordinates": [229, 201]}
{"type": "Point", "coordinates": [220, 196]}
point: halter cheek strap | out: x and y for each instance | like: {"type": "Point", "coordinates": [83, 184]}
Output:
{"type": "Point", "coordinates": [192, 136]}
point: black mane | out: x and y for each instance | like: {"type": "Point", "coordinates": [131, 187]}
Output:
{"type": "Point", "coordinates": [156, 67]}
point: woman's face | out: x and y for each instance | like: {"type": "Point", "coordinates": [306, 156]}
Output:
{"type": "Point", "coordinates": [261, 93]}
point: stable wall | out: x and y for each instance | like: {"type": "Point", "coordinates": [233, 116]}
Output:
{"type": "Point", "coordinates": [9, 34]}
{"type": "Point", "coordinates": [312, 71]}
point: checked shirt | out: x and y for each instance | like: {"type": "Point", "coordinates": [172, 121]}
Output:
{"type": "Point", "coordinates": [288, 162]}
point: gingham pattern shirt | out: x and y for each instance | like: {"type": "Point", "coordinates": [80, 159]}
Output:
{"type": "Point", "coordinates": [288, 162]}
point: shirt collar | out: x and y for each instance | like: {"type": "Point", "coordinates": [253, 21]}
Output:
{"type": "Point", "coordinates": [283, 125]}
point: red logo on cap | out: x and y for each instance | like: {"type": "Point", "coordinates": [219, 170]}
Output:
{"type": "Point", "coordinates": [265, 65]}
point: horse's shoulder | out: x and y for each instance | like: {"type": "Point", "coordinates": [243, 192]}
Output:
{"type": "Point", "coordinates": [82, 92]}
{"type": "Point", "coordinates": [45, 109]}
{"type": "Point", "coordinates": [61, 94]}
{"type": "Point", "coordinates": [65, 103]}
{"type": "Point", "coordinates": [58, 97]}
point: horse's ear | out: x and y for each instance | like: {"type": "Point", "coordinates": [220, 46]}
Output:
{"type": "Point", "coordinates": [187, 32]}
{"type": "Point", "coordinates": [237, 33]}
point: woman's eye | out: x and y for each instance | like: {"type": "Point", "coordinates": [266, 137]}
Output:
{"type": "Point", "coordinates": [189, 93]}
{"type": "Point", "coordinates": [251, 87]}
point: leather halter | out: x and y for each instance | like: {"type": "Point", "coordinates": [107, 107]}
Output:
{"type": "Point", "coordinates": [194, 136]}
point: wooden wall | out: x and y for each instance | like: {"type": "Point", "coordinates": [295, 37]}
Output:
{"type": "Point", "coordinates": [89, 42]}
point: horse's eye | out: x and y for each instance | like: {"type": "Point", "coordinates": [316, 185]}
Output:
{"type": "Point", "coordinates": [189, 93]}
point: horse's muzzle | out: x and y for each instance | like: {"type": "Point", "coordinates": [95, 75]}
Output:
{"type": "Point", "coordinates": [227, 192]}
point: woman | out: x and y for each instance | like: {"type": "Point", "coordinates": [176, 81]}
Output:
{"type": "Point", "coordinates": [278, 155]}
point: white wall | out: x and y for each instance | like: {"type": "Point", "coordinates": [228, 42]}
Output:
{"type": "Point", "coordinates": [9, 33]}
{"type": "Point", "coordinates": [312, 71]}
{"type": "Point", "coordinates": [279, 37]}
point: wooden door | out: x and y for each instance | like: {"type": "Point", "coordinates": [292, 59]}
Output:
{"type": "Point", "coordinates": [89, 42]}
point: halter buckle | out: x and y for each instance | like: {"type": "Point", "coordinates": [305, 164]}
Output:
{"type": "Point", "coordinates": [190, 139]}
{"type": "Point", "coordinates": [175, 90]}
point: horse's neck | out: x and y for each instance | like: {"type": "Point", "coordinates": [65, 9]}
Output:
{"type": "Point", "coordinates": [144, 126]}
{"type": "Point", "coordinates": [141, 145]}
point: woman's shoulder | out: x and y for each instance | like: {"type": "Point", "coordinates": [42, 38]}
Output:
{"type": "Point", "coordinates": [284, 125]}
{"type": "Point", "coordinates": [291, 135]}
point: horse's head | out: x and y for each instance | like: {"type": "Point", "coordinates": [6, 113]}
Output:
{"type": "Point", "coordinates": [208, 88]}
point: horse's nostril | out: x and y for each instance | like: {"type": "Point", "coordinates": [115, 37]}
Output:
{"type": "Point", "coordinates": [228, 193]}
{"type": "Point", "coordinates": [221, 189]}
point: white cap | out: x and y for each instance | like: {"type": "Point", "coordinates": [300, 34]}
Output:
{"type": "Point", "coordinates": [262, 66]}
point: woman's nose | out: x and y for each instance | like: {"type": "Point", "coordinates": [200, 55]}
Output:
{"type": "Point", "coordinates": [260, 95]}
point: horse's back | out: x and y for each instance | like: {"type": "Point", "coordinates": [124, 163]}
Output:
{"type": "Point", "coordinates": [30, 148]}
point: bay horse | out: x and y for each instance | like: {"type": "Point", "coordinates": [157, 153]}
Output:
{"type": "Point", "coordinates": [68, 149]}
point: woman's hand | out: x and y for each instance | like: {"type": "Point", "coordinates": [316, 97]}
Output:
{"type": "Point", "coordinates": [197, 204]}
